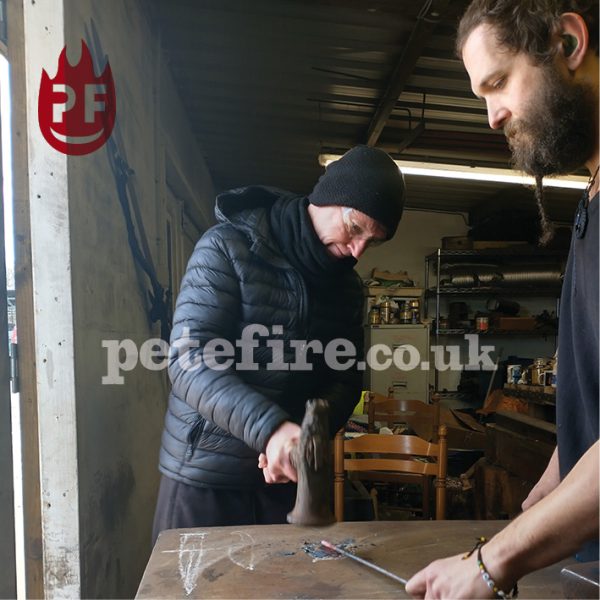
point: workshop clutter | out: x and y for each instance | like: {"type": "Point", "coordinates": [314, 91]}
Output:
{"type": "Point", "coordinates": [392, 299]}
{"type": "Point", "coordinates": [541, 371]}
{"type": "Point", "coordinates": [496, 315]}
{"type": "Point", "coordinates": [391, 311]}
{"type": "Point", "coordinates": [482, 275]}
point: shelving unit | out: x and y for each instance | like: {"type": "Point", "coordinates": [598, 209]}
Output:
{"type": "Point", "coordinates": [533, 273]}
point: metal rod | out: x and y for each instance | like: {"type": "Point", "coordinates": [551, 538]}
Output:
{"type": "Point", "coordinates": [362, 561]}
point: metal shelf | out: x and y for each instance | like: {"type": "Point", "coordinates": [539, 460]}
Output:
{"type": "Point", "coordinates": [512, 252]}
{"type": "Point", "coordinates": [504, 290]}
{"type": "Point", "coordinates": [513, 256]}
{"type": "Point", "coordinates": [498, 332]}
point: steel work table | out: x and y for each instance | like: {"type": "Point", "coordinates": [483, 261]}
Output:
{"type": "Point", "coordinates": [270, 561]}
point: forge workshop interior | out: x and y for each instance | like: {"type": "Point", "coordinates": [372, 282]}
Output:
{"type": "Point", "coordinates": [459, 317]}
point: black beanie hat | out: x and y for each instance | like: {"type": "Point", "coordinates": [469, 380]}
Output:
{"type": "Point", "coordinates": [366, 179]}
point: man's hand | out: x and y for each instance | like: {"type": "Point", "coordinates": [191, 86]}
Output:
{"type": "Point", "coordinates": [449, 578]}
{"type": "Point", "coordinates": [275, 462]}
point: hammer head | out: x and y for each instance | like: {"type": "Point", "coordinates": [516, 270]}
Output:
{"type": "Point", "coordinates": [312, 457]}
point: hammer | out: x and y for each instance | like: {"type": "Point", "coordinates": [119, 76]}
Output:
{"type": "Point", "coordinates": [312, 459]}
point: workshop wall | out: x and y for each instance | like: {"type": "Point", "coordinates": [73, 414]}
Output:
{"type": "Point", "coordinates": [419, 233]}
{"type": "Point", "coordinates": [119, 426]}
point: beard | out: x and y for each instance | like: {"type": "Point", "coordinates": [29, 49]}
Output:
{"type": "Point", "coordinates": [558, 134]}
{"type": "Point", "coordinates": [556, 137]}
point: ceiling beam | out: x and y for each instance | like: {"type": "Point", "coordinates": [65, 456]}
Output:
{"type": "Point", "coordinates": [411, 136]}
{"type": "Point", "coordinates": [427, 19]}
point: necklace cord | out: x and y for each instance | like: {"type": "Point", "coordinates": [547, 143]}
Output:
{"type": "Point", "coordinates": [590, 184]}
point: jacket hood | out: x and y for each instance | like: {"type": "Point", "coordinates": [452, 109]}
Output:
{"type": "Point", "coordinates": [247, 209]}
{"type": "Point", "coordinates": [231, 203]}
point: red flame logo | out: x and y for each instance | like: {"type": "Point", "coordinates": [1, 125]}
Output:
{"type": "Point", "coordinates": [76, 109]}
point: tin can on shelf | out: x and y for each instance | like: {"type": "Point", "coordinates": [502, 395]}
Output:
{"type": "Point", "coordinates": [539, 367]}
{"type": "Point", "coordinates": [405, 316]}
{"type": "Point", "coordinates": [482, 323]}
{"type": "Point", "coordinates": [513, 373]}
{"type": "Point", "coordinates": [374, 316]}
{"type": "Point", "coordinates": [548, 379]}
{"type": "Point", "coordinates": [415, 309]}
{"type": "Point", "coordinates": [385, 312]}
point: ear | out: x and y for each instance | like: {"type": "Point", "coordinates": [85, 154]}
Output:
{"type": "Point", "coordinates": [574, 39]}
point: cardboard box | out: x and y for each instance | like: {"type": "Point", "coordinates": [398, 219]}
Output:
{"type": "Point", "coordinates": [393, 291]}
{"type": "Point", "coordinates": [400, 276]}
{"type": "Point", "coordinates": [461, 242]}
{"type": "Point", "coordinates": [491, 244]}
{"type": "Point", "coordinates": [515, 323]}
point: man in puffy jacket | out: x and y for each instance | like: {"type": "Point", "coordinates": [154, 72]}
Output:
{"type": "Point", "coordinates": [269, 315]}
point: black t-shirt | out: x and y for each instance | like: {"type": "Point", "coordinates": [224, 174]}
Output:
{"type": "Point", "coordinates": [578, 357]}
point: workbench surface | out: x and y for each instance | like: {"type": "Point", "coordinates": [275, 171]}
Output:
{"type": "Point", "coordinates": [271, 561]}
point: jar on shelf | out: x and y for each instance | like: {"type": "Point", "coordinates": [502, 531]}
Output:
{"type": "Point", "coordinates": [385, 312]}
{"type": "Point", "coordinates": [482, 323]}
{"type": "Point", "coordinates": [405, 316]}
{"type": "Point", "coordinates": [374, 316]}
{"type": "Point", "coordinates": [540, 365]}
{"type": "Point", "coordinates": [415, 309]}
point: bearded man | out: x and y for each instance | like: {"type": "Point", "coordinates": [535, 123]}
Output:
{"type": "Point", "coordinates": [535, 64]}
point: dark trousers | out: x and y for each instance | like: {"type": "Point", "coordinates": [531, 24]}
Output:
{"type": "Point", "coordinates": [183, 506]}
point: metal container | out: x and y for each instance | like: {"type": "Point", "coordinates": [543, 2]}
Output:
{"type": "Point", "coordinates": [414, 306]}
{"type": "Point", "coordinates": [374, 316]}
{"type": "Point", "coordinates": [405, 316]}
{"type": "Point", "coordinates": [482, 323]}
{"type": "Point", "coordinates": [513, 373]}
{"type": "Point", "coordinates": [506, 307]}
{"type": "Point", "coordinates": [385, 312]}
{"type": "Point", "coordinates": [538, 368]}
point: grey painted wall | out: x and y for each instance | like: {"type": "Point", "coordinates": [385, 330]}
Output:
{"type": "Point", "coordinates": [419, 234]}
{"type": "Point", "coordinates": [119, 426]}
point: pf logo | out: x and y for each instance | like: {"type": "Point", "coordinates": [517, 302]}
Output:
{"type": "Point", "coordinates": [76, 109]}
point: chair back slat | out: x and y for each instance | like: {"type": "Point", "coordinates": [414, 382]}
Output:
{"type": "Point", "coordinates": [391, 444]}
{"type": "Point", "coordinates": [393, 465]}
{"type": "Point", "coordinates": [390, 410]}
{"type": "Point", "coordinates": [391, 457]}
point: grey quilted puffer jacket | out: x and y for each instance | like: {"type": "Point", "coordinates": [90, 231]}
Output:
{"type": "Point", "coordinates": [218, 420]}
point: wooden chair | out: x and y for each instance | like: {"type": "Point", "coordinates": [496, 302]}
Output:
{"type": "Point", "coordinates": [415, 413]}
{"type": "Point", "coordinates": [392, 458]}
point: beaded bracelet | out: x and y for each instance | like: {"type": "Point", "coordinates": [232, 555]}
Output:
{"type": "Point", "coordinates": [498, 593]}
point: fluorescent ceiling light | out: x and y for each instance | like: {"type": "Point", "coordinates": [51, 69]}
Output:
{"type": "Point", "coordinates": [473, 173]}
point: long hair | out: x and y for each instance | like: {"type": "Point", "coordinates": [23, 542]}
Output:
{"type": "Point", "coordinates": [526, 25]}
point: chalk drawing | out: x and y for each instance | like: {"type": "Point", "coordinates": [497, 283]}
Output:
{"type": "Point", "coordinates": [191, 551]}
{"type": "Point", "coordinates": [192, 554]}
{"type": "Point", "coordinates": [246, 562]}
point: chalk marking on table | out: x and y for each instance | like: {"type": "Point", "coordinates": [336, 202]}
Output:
{"type": "Point", "coordinates": [250, 565]}
{"type": "Point", "coordinates": [190, 559]}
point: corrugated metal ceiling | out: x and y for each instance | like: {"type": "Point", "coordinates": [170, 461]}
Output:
{"type": "Point", "coordinates": [269, 84]}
